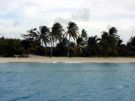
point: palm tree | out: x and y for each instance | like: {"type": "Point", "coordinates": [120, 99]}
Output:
{"type": "Point", "coordinates": [56, 35]}
{"type": "Point", "coordinates": [79, 41]}
{"type": "Point", "coordinates": [131, 45]}
{"type": "Point", "coordinates": [92, 47]}
{"type": "Point", "coordinates": [131, 42]}
{"type": "Point", "coordinates": [113, 31]}
{"type": "Point", "coordinates": [26, 44]}
{"type": "Point", "coordinates": [29, 38]}
{"type": "Point", "coordinates": [43, 36]}
{"type": "Point", "coordinates": [78, 49]}
{"type": "Point", "coordinates": [104, 43]}
{"type": "Point", "coordinates": [109, 42]}
{"type": "Point", "coordinates": [72, 33]}
{"type": "Point", "coordinates": [62, 47]}
{"type": "Point", "coordinates": [31, 34]}
{"type": "Point", "coordinates": [84, 35]}
{"type": "Point", "coordinates": [119, 43]}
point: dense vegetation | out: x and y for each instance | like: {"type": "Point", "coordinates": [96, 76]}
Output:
{"type": "Point", "coordinates": [57, 42]}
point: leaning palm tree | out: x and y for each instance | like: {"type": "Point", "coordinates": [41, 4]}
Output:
{"type": "Point", "coordinates": [31, 34]}
{"type": "Point", "coordinates": [30, 37]}
{"type": "Point", "coordinates": [56, 35]}
{"type": "Point", "coordinates": [43, 36]}
{"type": "Point", "coordinates": [72, 33]}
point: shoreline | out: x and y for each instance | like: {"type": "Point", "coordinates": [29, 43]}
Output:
{"type": "Point", "coordinates": [42, 59]}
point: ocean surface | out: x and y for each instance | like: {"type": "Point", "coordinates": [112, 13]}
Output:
{"type": "Point", "coordinates": [67, 82]}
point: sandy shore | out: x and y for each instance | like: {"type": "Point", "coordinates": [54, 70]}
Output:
{"type": "Point", "coordinates": [41, 59]}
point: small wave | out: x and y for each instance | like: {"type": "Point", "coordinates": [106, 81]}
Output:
{"type": "Point", "coordinates": [20, 98]}
{"type": "Point", "coordinates": [23, 97]}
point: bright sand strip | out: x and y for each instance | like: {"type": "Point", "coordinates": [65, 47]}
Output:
{"type": "Point", "coordinates": [41, 59]}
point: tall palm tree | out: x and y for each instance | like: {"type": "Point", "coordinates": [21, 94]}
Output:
{"type": "Point", "coordinates": [104, 43]}
{"type": "Point", "coordinates": [109, 42]}
{"type": "Point", "coordinates": [72, 32]}
{"type": "Point", "coordinates": [56, 35]}
{"type": "Point", "coordinates": [84, 34]}
{"type": "Point", "coordinates": [43, 36]}
{"type": "Point", "coordinates": [78, 48]}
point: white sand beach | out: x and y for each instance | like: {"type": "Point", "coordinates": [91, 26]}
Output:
{"type": "Point", "coordinates": [42, 59]}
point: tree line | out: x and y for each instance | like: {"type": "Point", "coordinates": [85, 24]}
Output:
{"type": "Point", "coordinates": [56, 41]}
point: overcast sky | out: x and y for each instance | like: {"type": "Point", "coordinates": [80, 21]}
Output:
{"type": "Point", "coordinates": [17, 16]}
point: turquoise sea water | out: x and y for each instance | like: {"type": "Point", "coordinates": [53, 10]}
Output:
{"type": "Point", "coordinates": [67, 82]}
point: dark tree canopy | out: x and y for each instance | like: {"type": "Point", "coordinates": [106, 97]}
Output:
{"type": "Point", "coordinates": [57, 41]}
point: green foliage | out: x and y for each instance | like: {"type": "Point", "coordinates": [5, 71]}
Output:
{"type": "Point", "coordinates": [84, 35]}
{"type": "Point", "coordinates": [57, 31]}
{"type": "Point", "coordinates": [131, 46]}
{"type": "Point", "coordinates": [72, 32]}
{"type": "Point", "coordinates": [109, 42]}
{"type": "Point", "coordinates": [92, 47]}
{"type": "Point", "coordinates": [53, 42]}
{"type": "Point", "coordinates": [10, 47]}
{"type": "Point", "coordinates": [56, 35]}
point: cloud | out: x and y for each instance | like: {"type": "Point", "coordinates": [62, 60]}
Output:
{"type": "Point", "coordinates": [16, 16]}
{"type": "Point", "coordinates": [81, 15]}
{"type": "Point", "coordinates": [16, 23]}
{"type": "Point", "coordinates": [62, 20]}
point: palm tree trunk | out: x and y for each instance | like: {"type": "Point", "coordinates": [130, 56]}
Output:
{"type": "Point", "coordinates": [27, 52]}
{"type": "Point", "coordinates": [46, 51]}
{"type": "Point", "coordinates": [44, 44]}
{"type": "Point", "coordinates": [51, 49]}
{"type": "Point", "coordinates": [68, 54]}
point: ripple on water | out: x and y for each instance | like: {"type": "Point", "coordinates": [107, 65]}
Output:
{"type": "Point", "coordinates": [24, 98]}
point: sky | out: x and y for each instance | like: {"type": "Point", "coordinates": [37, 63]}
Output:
{"type": "Point", "coordinates": [18, 16]}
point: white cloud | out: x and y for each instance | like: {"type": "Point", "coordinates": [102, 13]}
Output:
{"type": "Point", "coordinates": [94, 15]}
{"type": "Point", "coordinates": [81, 15]}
